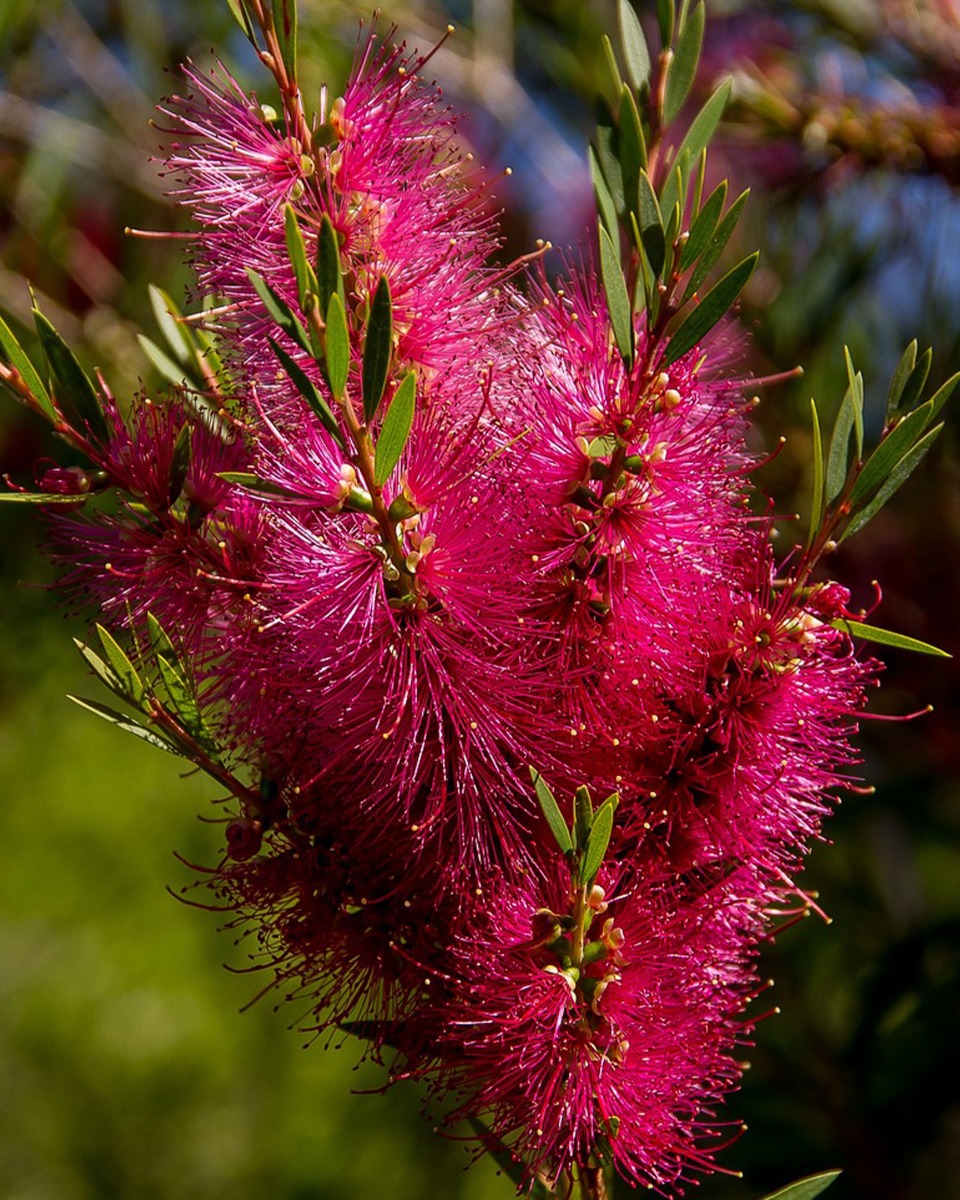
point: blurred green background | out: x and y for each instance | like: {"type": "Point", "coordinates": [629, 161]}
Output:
{"type": "Point", "coordinates": [126, 1071]}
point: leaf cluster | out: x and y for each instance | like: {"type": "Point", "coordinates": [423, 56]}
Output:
{"type": "Point", "coordinates": [585, 841]}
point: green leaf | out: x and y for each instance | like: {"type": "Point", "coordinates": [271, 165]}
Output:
{"type": "Point", "coordinates": [705, 123]}
{"type": "Point", "coordinates": [683, 69]}
{"type": "Point", "coordinates": [633, 150]}
{"type": "Point", "coordinates": [279, 310]}
{"type": "Point", "coordinates": [262, 487]}
{"type": "Point", "coordinates": [817, 500]}
{"type": "Point", "coordinates": [183, 703]}
{"type": "Point", "coordinates": [238, 8]}
{"type": "Point", "coordinates": [395, 429]}
{"type": "Point", "coordinates": [582, 816]}
{"type": "Point", "coordinates": [73, 383]}
{"type": "Point", "coordinates": [17, 359]}
{"type": "Point", "coordinates": [908, 360]}
{"type": "Point", "coordinates": [551, 812]}
{"type": "Point", "coordinates": [307, 284]}
{"type": "Point", "coordinates": [666, 17]}
{"type": "Point", "coordinates": [310, 392]}
{"type": "Point", "coordinates": [285, 24]}
{"type": "Point", "coordinates": [805, 1189]}
{"type": "Point", "coordinates": [709, 310]}
{"type": "Point", "coordinates": [606, 207]}
{"type": "Point", "coordinates": [597, 844]}
{"type": "Point", "coordinates": [651, 224]}
{"type": "Point", "coordinates": [180, 463]}
{"type": "Point", "coordinates": [103, 671]}
{"type": "Point", "coordinates": [166, 315]}
{"type": "Point", "coordinates": [169, 370]}
{"type": "Point", "coordinates": [889, 452]}
{"type": "Point", "coordinates": [673, 197]}
{"type": "Point", "coordinates": [942, 395]}
{"type": "Point", "coordinates": [606, 147]}
{"type": "Point", "coordinates": [635, 52]}
{"type": "Point", "coordinates": [42, 498]}
{"type": "Point", "coordinates": [128, 724]}
{"type": "Point", "coordinates": [337, 346]}
{"type": "Point", "coordinates": [898, 476]}
{"type": "Point", "coordinates": [855, 384]}
{"type": "Point", "coordinates": [884, 637]}
{"type": "Point", "coordinates": [376, 349]}
{"type": "Point", "coordinates": [704, 226]}
{"type": "Point", "coordinates": [915, 382]}
{"type": "Point", "coordinates": [611, 83]}
{"type": "Point", "coordinates": [160, 642]}
{"type": "Point", "coordinates": [123, 668]}
{"type": "Point", "coordinates": [849, 418]}
{"type": "Point", "coordinates": [618, 302]}
{"type": "Point", "coordinates": [329, 273]}
{"type": "Point", "coordinates": [716, 245]}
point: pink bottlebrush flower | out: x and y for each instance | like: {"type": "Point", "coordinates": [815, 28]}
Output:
{"type": "Point", "coordinates": [622, 1056]}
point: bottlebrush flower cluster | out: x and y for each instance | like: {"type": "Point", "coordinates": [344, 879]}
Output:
{"type": "Point", "coordinates": [419, 526]}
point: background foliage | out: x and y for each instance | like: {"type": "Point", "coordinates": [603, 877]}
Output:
{"type": "Point", "coordinates": [127, 1073]}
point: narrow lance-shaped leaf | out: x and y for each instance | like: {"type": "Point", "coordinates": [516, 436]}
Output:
{"type": "Point", "coordinates": [606, 148]}
{"type": "Point", "coordinates": [582, 816]}
{"type": "Point", "coordinates": [285, 24]}
{"type": "Point", "coordinates": [165, 366]}
{"type": "Point", "coordinates": [175, 333]}
{"type": "Point", "coordinates": [41, 498]}
{"type": "Point", "coordinates": [716, 245]}
{"type": "Point", "coordinates": [651, 225]}
{"type": "Point", "coordinates": [942, 395]}
{"type": "Point", "coordinates": [337, 346]}
{"type": "Point", "coordinates": [710, 309]}
{"type": "Point", "coordinates": [184, 704]}
{"type": "Point", "coordinates": [889, 452]}
{"type": "Point", "coordinates": [73, 385]}
{"type": "Point", "coordinates": [103, 671]}
{"type": "Point", "coordinates": [908, 360]}
{"type": "Point", "coordinates": [258, 486]}
{"type": "Point", "coordinates": [128, 724]}
{"type": "Point", "coordinates": [599, 840]}
{"type": "Point", "coordinates": [279, 310]}
{"type": "Point", "coordinates": [618, 302]}
{"type": "Point", "coordinates": [159, 641]}
{"type": "Point", "coordinates": [898, 476]}
{"type": "Point", "coordinates": [916, 380]}
{"type": "Point", "coordinates": [806, 1189]}
{"type": "Point", "coordinates": [683, 69]}
{"type": "Point", "coordinates": [633, 151]}
{"type": "Point", "coordinates": [329, 274]}
{"type": "Point", "coordinates": [18, 359]}
{"type": "Point", "coordinates": [239, 10]}
{"type": "Point", "coordinates": [606, 207]}
{"type": "Point", "coordinates": [125, 671]}
{"type": "Point", "coordinates": [885, 637]}
{"type": "Point", "coordinates": [310, 392]}
{"type": "Point", "coordinates": [304, 273]}
{"type": "Point", "coordinates": [551, 812]}
{"type": "Point", "coordinates": [395, 429]}
{"type": "Point", "coordinates": [674, 196]}
{"type": "Point", "coordinates": [855, 384]}
{"type": "Point", "coordinates": [180, 463]}
{"type": "Point", "coordinates": [704, 226]}
{"type": "Point", "coordinates": [838, 456]}
{"type": "Point", "coordinates": [376, 349]}
{"type": "Point", "coordinates": [705, 123]}
{"type": "Point", "coordinates": [666, 16]}
{"type": "Point", "coordinates": [818, 499]}
{"type": "Point", "coordinates": [635, 52]}
{"type": "Point", "coordinates": [611, 81]}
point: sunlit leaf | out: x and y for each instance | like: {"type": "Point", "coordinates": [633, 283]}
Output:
{"type": "Point", "coordinates": [17, 358]}
{"type": "Point", "coordinates": [599, 840]}
{"type": "Point", "coordinates": [166, 315]}
{"type": "Point", "coordinates": [716, 245]}
{"type": "Point", "coordinates": [169, 370]}
{"type": "Point", "coordinates": [128, 724]}
{"type": "Point", "coordinates": [184, 705]}
{"type": "Point", "coordinates": [942, 395]}
{"type": "Point", "coordinates": [180, 463]}
{"type": "Point", "coordinates": [279, 310]}
{"type": "Point", "coordinates": [307, 283]}
{"type": "Point", "coordinates": [239, 10]}
{"type": "Point", "coordinates": [606, 207]}
{"type": "Point", "coordinates": [908, 360]}
{"type": "Point", "coordinates": [710, 309]}
{"type": "Point", "coordinates": [855, 385]}
{"type": "Point", "coordinates": [651, 224]}
{"type": "Point", "coordinates": [123, 668]}
{"type": "Point", "coordinates": [612, 81]}
{"type": "Point", "coordinates": [686, 59]}
{"type": "Point", "coordinates": [633, 151]}
{"type": "Point", "coordinates": [889, 452]}
{"type": "Point", "coordinates": [666, 16]}
{"type": "Point", "coordinates": [329, 273]}
{"type": "Point", "coordinates": [618, 302]}
{"type": "Point", "coordinates": [704, 124]}
{"type": "Point", "coordinates": [886, 637]}
{"type": "Point", "coordinates": [704, 226]}
{"type": "Point", "coordinates": [838, 456]}
{"type": "Point", "coordinates": [805, 1189]}
{"type": "Point", "coordinates": [817, 500]}
{"type": "Point", "coordinates": [635, 52]}
{"type": "Point", "coordinates": [42, 498]}
{"type": "Point", "coordinates": [916, 380]}
{"type": "Point", "coordinates": [582, 816]}
{"type": "Point", "coordinates": [395, 429]}
{"type": "Point", "coordinates": [285, 24]}
{"type": "Point", "coordinates": [337, 346]}
{"type": "Point", "coordinates": [551, 812]}
{"type": "Point", "coordinates": [262, 487]}
{"type": "Point", "coordinates": [606, 148]}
